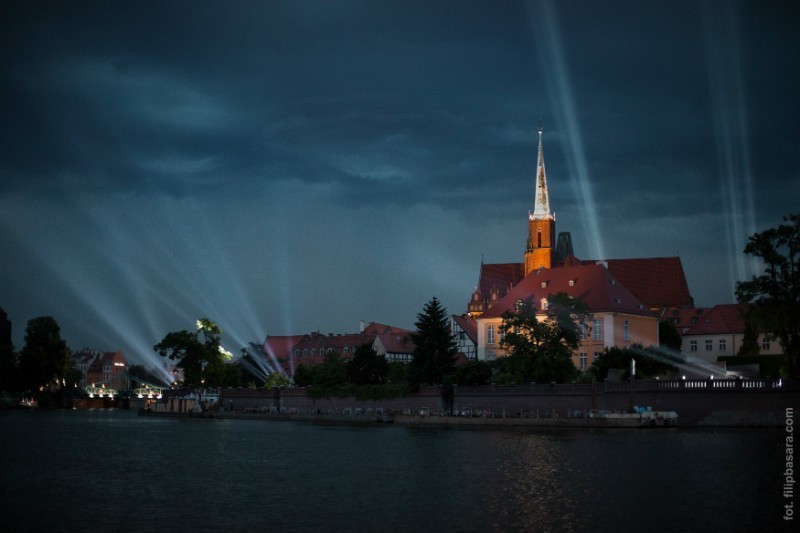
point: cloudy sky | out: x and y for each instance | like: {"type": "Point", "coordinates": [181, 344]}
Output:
{"type": "Point", "coordinates": [286, 167]}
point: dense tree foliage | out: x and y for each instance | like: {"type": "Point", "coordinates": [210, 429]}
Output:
{"type": "Point", "coordinates": [435, 349]}
{"type": "Point", "coordinates": [44, 359]}
{"type": "Point", "coordinates": [367, 367]}
{"type": "Point", "coordinates": [668, 335]}
{"type": "Point", "coordinates": [473, 373]}
{"type": "Point", "coordinates": [200, 354]}
{"type": "Point", "coordinates": [540, 350]}
{"type": "Point", "coordinates": [9, 370]}
{"type": "Point", "coordinates": [304, 375]}
{"type": "Point", "coordinates": [774, 296]}
{"type": "Point", "coordinates": [277, 379]}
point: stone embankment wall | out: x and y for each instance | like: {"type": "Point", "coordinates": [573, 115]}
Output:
{"type": "Point", "coordinates": [698, 403]}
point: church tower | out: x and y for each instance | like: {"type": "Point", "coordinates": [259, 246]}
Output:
{"type": "Point", "coordinates": [541, 223]}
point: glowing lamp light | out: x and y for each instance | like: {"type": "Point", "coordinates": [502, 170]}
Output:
{"type": "Point", "coordinates": [91, 395]}
{"type": "Point", "coordinates": [140, 395]}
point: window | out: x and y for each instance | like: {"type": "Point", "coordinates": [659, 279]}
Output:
{"type": "Point", "coordinates": [583, 361]}
{"type": "Point", "coordinates": [346, 350]}
{"type": "Point", "coordinates": [596, 356]}
{"type": "Point", "coordinates": [539, 238]}
{"type": "Point", "coordinates": [582, 332]}
{"type": "Point", "coordinates": [544, 304]}
{"type": "Point", "coordinates": [723, 345]}
{"type": "Point", "coordinates": [765, 343]}
{"type": "Point", "coordinates": [626, 331]}
{"type": "Point", "coordinates": [490, 334]}
{"type": "Point", "coordinates": [709, 345]}
{"type": "Point", "coordinates": [692, 346]}
{"type": "Point", "coordinates": [597, 330]}
{"type": "Point", "coordinates": [305, 352]}
{"type": "Point", "coordinates": [501, 333]}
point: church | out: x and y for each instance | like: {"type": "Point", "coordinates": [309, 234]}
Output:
{"type": "Point", "coordinates": [626, 297]}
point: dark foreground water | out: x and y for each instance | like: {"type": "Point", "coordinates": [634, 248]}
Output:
{"type": "Point", "coordinates": [112, 471]}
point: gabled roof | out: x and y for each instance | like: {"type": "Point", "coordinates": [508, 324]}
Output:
{"type": "Point", "coordinates": [396, 343]}
{"type": "Point", "coordinates": [468, 324]}
{"type": "Point", "coordinates": [499, 276]}
{"type": "Point", "coordinates": [657, 281]}
{"type": "Point", "coordinates": [720, 319]}
{"type": "Point", "coordinates": [376, 328]}
{"type": "Point", "coordinates": [280, 346]}
{"type": "Point", "coordinates": [592, 284]}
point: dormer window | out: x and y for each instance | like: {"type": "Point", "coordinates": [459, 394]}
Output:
{"type": "Point", "coordinates": [572, 283]}
{"type": "Point", "coordinates": [544, 284]}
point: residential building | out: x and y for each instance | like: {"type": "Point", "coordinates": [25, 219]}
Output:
{"type": "Point", "coordinates": [96, 368]}
{"type": "Point", "coordinates": [616, 316]}
{"type": "Point", "coordinates": [719, 332]}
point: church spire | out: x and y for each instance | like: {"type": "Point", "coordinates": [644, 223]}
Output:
{"type": "Point", "coordinates": [541, 222]}
{"type": "Point", "coordinates": [541, 209]}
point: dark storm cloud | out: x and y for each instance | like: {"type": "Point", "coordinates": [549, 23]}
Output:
{"type": "Point", "coordinates": [304, 135]}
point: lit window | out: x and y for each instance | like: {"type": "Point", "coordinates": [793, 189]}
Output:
{"type": "Point", "coordinates": [692, 346]}
{"type": "Point", "coordinates": [544, 304]}
{"type": "Point", "coordinates": [723, 345]}
{"type": "Point", "coordinates": [583, 361]}
{"type": "Point", "coordinates": [626, 331]}
{"type": "Point", "coordinates": [490, 334]}
{"type": "Point", "coordinates": [709, 345]}
{"type": "Point", "coordinates": [597, 330]}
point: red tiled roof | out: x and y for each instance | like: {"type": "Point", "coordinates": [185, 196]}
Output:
{"type": "Point", "coordinates": [720, 319]}
{"type": "Point", "coordinates": [657, 282]}
{"type": "Point", "coordinates": [469, 326]}
{"type": "Point", "coordinates": [376, 328]}
{"type": "Point", "coordinates": [280, 346]}
{"type": "Point", "coordinates": [397, 343]}
{"type": "Point", "coordinates": [500, 276]}
{"type": "Point", "coordinates": [592, 284]}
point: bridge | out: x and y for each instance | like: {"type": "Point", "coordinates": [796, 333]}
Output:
{"type": "Point", "coordinates": [122, 384]}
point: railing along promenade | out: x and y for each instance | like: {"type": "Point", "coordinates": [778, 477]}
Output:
{"type": "Point", "coordinates": [655, 385]}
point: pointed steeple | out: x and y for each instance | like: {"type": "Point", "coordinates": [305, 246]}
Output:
{"type": "Point", "coordinates": [541, 208]}
{"type": "Point", "coordinates": [539, 250]}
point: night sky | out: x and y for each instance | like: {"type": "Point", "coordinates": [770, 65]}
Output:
{"type": "Point", "coordinates": [287, 167]}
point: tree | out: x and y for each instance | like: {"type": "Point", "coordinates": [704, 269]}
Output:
{"type": "Point", "coordinates": [332, 372]}
{"type": "Point", "coordinates": [9, 369]}
{"type": "Point", "coordinates": [199, 353]}
{"type": "Point", "coordinates": [774, 296]}
{"type": "Point", "coordinates": [277, 379]}
{"type": "Point", "coordinates": [668, 335]}
{"type": "Point", "coordinates": [434, 347]}
{"type": "Point", "coordinates": [304, 375]}
{"type": "Point", "coordinates": [45, 357]}
{"type": "Point", "coordinates": [473, 373]}
{"type": "Point", "coordinates": [367, 367]}
{"type": "Point", "coordinates": [541, 351]}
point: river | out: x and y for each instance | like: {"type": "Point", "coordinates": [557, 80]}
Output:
{"type": "Point", "coordinates": [112, 471]}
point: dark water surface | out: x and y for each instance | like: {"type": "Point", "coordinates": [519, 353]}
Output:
{"type": "Point", "coordinates": [113, 471]}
